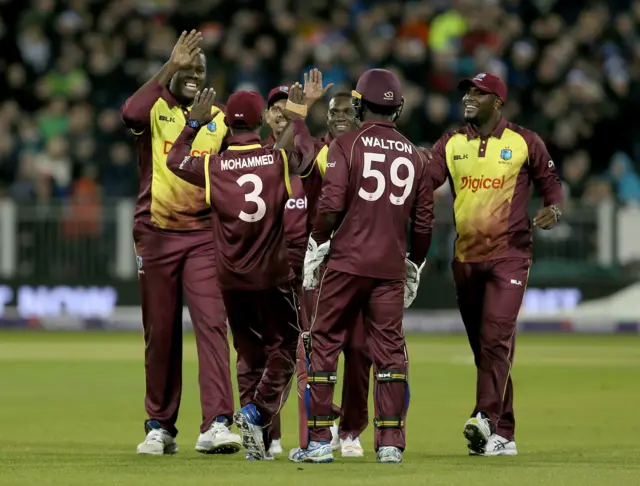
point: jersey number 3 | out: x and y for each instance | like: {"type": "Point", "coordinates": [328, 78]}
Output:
{"type": "Point", "coordinates": [253, 197]}
{"type": "Point", "coordinates": [405, 184]}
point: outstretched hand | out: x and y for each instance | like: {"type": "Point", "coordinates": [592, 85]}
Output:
{"type": "Point", "coordinates": [203, 106]}
{"type": "Point", "coordinates": [186, 49]}
{"type": "Point", "coordinates": [295, 107]}
{"type": "Point", "coordinates": [313, 89]}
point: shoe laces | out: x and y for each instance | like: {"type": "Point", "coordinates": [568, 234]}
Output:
{"type": "Point", "coordinates": [156, 435]}
{"type": "Point", "coordinates": [218, 428]}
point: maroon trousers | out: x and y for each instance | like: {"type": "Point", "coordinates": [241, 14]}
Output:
{"type": "Point", "coordinates": [265, 329]}
{"type": "Point", "coordinates": [341, 299]}
{"type": "Point", "coordinates": [170, 264]}
{"type": "Point", "coordinates": [489, 297]}
{"type": "Point", "coordinates": [354, 412]}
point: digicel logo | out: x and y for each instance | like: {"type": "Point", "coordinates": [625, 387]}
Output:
{"type": "Point", "coordinates": [475, 183]}
{"type": "Point", "coordinates": [299, 203]}
{"type": "Point", "coordinates": [195, 153]}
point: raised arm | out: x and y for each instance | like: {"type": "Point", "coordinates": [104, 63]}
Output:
{"type": "Point", "coordinates": [302, 156]}
{"type": "Point", "coordinates": [136, 110]}
{"type": "Point", "coordinates": [193, 169]}
{"type": "Point", "coordinates": [188, 167]}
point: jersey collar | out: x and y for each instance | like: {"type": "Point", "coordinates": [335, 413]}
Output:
{"type": "Point", "coordinates": [244, 141]}
{"type": "Point", "coordinates": [497, 131]}
{"type": "Point", "coordinates": [379, 123]}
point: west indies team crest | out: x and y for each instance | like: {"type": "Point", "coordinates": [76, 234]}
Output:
{"type": "Point", "coordinates": [211, 126]}
{"type": "Point", "coordinates": [506, 154]}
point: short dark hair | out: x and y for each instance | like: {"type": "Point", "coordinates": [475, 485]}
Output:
{"type": "Point", "coordinates": [379, 109]}
{"type": "Point", "coordinates": [342, 94]}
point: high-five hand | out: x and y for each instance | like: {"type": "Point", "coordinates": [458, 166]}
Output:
{"type": "Point", "coordinates": [313, 89]}
{"type": "Point", "coordinates": [295, 107]}
{"type": "Point", "coordinates": [202, 106]}
{"type": "Point", "coordinates": [186, 49]}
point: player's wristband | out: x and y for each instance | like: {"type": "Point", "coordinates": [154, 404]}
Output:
{"type": "Point", "coordinates": [296, 108]}
{"type": "Point", "coordinates": [556, 212]}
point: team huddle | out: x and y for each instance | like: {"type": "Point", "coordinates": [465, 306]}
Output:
{"type": "Point", "coordinates": [298, 245]}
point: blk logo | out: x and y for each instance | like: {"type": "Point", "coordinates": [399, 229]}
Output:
{"type": "Point", "coordinates": [461, 157]}
{"type": "Point", "coordinates": [167, 118]}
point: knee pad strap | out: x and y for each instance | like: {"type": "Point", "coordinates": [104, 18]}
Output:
{"type": "Point", "coordinates": [390, 376]}
{"type": "Point", "coordinates": [388, 422]}
{"type": "Point", "coordinates": [322, 377]}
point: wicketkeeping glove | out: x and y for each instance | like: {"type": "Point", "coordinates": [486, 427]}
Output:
{"type": "Point", "coordinates": [412, 282]}
{"type": "Point", "coordinates": [312, 260]}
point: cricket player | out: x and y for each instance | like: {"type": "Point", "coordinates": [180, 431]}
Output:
{"type": "Point", "coordinates": [353, 412]}
{"type": "Point", "coordinates": [375, 183]}
{"type": "Point", "coordinates": [490, 164]}
{"type": "Point", "coordinates": [175, 256]}
{"type": "Point", "coordinates": [248, 187]}
{"type": "Point", "coordinates": [340, 119]}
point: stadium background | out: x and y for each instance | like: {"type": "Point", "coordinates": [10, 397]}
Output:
{"type": "Point", "coordinates": [71, 403]}
{"type": "Point", "coordinates": [68, 174]}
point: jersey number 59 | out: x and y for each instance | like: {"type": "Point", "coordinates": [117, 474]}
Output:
{"type": "Point", "coordinates": [405, 184]}
{"type": "Point", "coordinates": [253, 197]}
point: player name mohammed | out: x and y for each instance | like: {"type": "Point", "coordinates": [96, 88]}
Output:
{"type": "Point", "coordinates": [246, 162]}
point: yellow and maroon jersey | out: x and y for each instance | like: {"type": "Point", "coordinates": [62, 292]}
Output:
{"type": "Point", "coordinates": [164, 200]}
{"type": "Point", "coordinates": [490, 178]}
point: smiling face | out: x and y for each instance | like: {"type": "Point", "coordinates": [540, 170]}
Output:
{"type": "Point", "coordinates": [479, 106]}
{"type": "Point", "coordinates": [275, 117]}
{"type": "Point", "coordinates": [187, 82]}
{"type": "Point", "coordinates": [341, 117]}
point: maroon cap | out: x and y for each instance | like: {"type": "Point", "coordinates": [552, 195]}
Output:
{"type": "Point", "coordinates": [277, 93]}
{"type": "Point", "coordinates": [487, 82]}
{"type": "Point", "coordinates": [244, 109]}
{"type": "Point", "coordinates": [380, 87]}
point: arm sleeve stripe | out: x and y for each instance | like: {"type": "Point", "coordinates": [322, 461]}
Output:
{"type": "Point", "coordinates": [321, 160]}
{"type": "Point", "coordinates": [287, 181]}
{"type": "Point", "coordinates": [207, 180]}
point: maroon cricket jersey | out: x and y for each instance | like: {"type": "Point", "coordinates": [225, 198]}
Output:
{"type": "Point", "coordinates": [156, 119]}
{"type": "Point", "coordinates": [295, 213]}
{"type": "Point", "coordinates": [248, 187]}
{"type": "Point", "coordinates": [490, 178]}
{"type": "Point", "coordinates": [376, 182]}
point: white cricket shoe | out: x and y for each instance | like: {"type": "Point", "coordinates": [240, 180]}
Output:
{"type": "Point", "coordinates": [498, 446]}
{"type": "Point", "coordinates": [157, 443]}
{"type": "Point", "coordinates": [218, 439]}
{"type": "Point", "coordinates": [389, 454]}
{"type": "Point", "coordinates": [477, 431]}
{"type": "Point", "coordinates": [335, 437]}
{"type": "Point", "coordinates": [276, 447]}
{"type": "Point", "coordinates": [317, 452]}
{"type": "Point", "coordinates": [351, 447]}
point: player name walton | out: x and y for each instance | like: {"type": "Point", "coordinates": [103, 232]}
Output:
{"type": "Point", "coordinates": [396, 145]}
{"type": "Point", "coordinates": [246, 162]}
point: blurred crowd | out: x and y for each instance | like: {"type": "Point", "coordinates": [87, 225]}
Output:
{"type": "Point", "coordinates": [572, 67]}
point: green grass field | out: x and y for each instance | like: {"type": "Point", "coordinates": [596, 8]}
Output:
{"type": "Point", "coordinates": [71, 413]}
